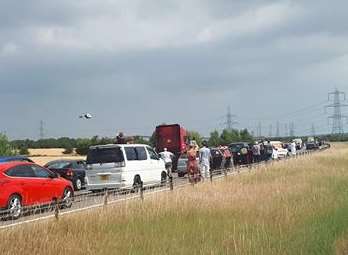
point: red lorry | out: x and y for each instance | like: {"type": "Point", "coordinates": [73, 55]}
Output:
{"type": "Point", "coordinates": [174, 138]}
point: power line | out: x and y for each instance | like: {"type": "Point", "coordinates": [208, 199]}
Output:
{"type": "Point", "coordinates": [42, 130]}
{"type": "Point", "coordinates": [270, 130]}
{"type": "Point", "coordinates": [278, 129]}
{"type": "Point", "coordinates": [313, 129]}
{"type": "Point", "coordinates": [292, 129]}
{"type": "Point", "coordinates": [259, 129]}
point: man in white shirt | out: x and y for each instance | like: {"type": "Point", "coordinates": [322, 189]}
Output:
{"type": "Point", "coordinates": [167, 158]}
{"type": "Point", "coordinates": [204, 160]}
{"type": "Point", "coordinates": [293, 149]}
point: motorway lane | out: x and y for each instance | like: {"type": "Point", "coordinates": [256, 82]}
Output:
{"type": "Point", "coordinates": [86, 199]}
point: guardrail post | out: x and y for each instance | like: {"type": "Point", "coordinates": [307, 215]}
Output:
{"type": "Point", "coordinates": [106, 196]}
{"type": "Point", "coordinates": [141, 191]}
{"type": "Point", "coordinates": [56, 209]}
{"type": "Point", "coordinates": [171, 184]}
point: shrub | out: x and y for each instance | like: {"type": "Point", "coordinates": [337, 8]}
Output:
{"type": "Point", "coordinates": [5, 146]}
{"type": "Point", "coordinates": [68, 150]}
{"type": "Point", "coordinates": [83, 146]}
{"type": "Point", "coordinates": [24, 151]}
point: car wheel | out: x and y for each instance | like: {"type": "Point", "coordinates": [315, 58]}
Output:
{"type": "Point", "coordinates": [14, 207]}
{"type": "Point", "coordinates": [67, 198]}
{"type": "Point", "coordinates": [137, 183]}
{"type": "Point", "coordinates": [78, 184]}
{"type": "Point", "coordinates": [163, 178]}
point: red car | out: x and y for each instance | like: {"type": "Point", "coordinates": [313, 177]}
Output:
{"type": "Point", "coordinates": [24, 185]}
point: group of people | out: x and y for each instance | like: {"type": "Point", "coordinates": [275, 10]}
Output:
{"type": "Point", "coordinates": [201, 169]}
{"type": "Point", "coordinates": [265, 151]}
{"type": "Point", "coordinates": [262, 151]}
{"type": "Point", "coordinates": [198, 160]}
{"type": "Point", "coordinates": [195, 169]}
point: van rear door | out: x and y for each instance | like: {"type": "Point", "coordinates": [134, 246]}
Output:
{"type": "Point", "coordinates": [104, 167]}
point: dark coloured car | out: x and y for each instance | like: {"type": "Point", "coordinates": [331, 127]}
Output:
{"type": "Point", "coordinates": [182, 165]}
{"type": "Point", "coordinates": [241, 153]}
{"type": "Point", "coordinates": [15, 158]}
{"type": "Point", "coordinates": [72, 170]}
{"type": "Point", "coordinates": [312, 146]}
{"type": "Point", "coordinates": [216, 161]}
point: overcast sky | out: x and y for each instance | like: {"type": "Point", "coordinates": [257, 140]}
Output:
{"type": "Point", "coordinates": [136, 64]}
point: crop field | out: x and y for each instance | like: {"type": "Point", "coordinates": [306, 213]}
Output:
{"type": "Point", "coordinates": [298, 206]}
{"type": "Point", "coordinates": [43, 156]}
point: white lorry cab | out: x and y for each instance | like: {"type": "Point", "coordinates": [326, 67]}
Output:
{"type": "Point", "coordinates": [123, 165]}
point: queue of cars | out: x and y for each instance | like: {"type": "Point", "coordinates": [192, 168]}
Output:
{"type": "Point", "coordinates": [26, 184]}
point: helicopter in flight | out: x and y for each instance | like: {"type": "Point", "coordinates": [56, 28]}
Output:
{"type": "Point", "coordinates": [86, 116]}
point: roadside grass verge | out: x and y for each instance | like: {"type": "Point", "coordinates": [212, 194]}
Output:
{"type": "Point", "coordinates": [292, 207]}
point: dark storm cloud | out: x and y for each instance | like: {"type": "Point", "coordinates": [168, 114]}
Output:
{"type": "Point", "coordinates": [140, 63]}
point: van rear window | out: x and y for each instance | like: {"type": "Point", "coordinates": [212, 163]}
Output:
{"type": "Point", "coordinates": [104, 155]}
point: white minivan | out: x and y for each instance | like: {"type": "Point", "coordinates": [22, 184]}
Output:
{"type": "Point", "coordinates": [123, 165]}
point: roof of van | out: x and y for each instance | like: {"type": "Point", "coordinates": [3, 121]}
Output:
{"type": "Point", "coordinates": [117, 145]}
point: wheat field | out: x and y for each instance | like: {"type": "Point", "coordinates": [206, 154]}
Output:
{"type": "Point", "coordinates": [43, 156]}
{"type": "Point", "coordinates": [291, 207]}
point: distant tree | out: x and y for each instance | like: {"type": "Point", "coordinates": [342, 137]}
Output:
{"type": "Point", "coordinates": [140, 140]}
{"type": "Point", "coordinates": [230, 136]}
{"type": "Point", "coordinates": [24, 151]}
{"type": "Point", "coordinates": [68, 150]}
{"type": "Point", "coordinates": [5, 146]}
{"type": "Point", "coordinates": [245, 136]}
{"type": "Point", "coordinates": [152, 141]}
{"type": "Point", "coordinates": [83, 145]}
{"type": "Point", "coordinates": [194, 135]}
{"type": "Point", "coordinates": [214, 139]}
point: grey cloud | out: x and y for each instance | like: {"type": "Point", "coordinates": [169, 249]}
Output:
{"type": "Point", "coordinates": [258, 72]}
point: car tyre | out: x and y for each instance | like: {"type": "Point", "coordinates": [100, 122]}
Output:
{"type": "Point", "coordinates": [67, 198]}
{"type": "Point", "coordinates": [78, 184]}
{"type": "Point", "coordinates": [163, 178]}
{"type": "Point", "coordinates": [14, 207]}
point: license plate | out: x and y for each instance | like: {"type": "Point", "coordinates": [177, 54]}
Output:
{"type": "Point", "coordinates": [104, 177]}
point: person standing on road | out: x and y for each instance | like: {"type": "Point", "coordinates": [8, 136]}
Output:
{"type": "Point", "coordinates": [192, 166]}
{"type": "Point", "coordinates": [228, 157]}
{"type": "Point", "coordinates": [204, 160]}
{"type": "Point", "coordinates": [275, 153]}
{"type": "Point", "coordinates": [256, 152]}
{"type": "Point", "coordinates": [293, 149]}
{"type": "Point", "coordinates": [167, 157]}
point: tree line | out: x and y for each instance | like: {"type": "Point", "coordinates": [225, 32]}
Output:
{"type": "Point", "coordinates": [81, 145]}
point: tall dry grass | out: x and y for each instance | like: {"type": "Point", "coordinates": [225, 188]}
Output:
{"type": "Point", "coordinates": [292, 207]}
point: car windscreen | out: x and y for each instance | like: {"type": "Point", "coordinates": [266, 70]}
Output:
{"type": "Point", "coordinates": [236, 147]}
{"type": "Point", "coordinates": [58, 165]}
{"type": "Point", "coordinates": [104, 155]}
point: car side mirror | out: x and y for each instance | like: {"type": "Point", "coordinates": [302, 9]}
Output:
{"type": "Point", "coordinates": [54, 176]}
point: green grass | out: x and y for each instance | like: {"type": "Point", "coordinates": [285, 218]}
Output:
{"type": "Point", "coordinates": [294, 207]}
